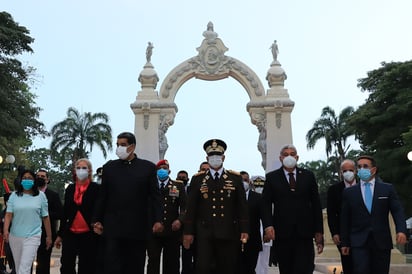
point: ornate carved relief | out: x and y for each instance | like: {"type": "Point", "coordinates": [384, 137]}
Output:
{"type": "Point", "coordinates": [259, 119]}
{"type": "Point", "coordinates": [165, 120]}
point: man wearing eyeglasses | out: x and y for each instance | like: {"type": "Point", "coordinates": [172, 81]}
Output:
{"type": "Point", "coordinates": [55, 213]}
{"type": "Point", "coordinates": [365, 230]}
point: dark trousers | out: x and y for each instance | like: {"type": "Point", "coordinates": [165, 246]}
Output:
{"type": "Point", "coordinates": [369, 259]}
{"type": "Point", "coordinates": [8, 259]}
{"type": "Point", "coordinates": [217, 256]}
{"type": "Point", "coordinates": [43, 257]}
{"type": "Point", "coordinates": [247, 260]}
{"type": "Point", "coordinates": [188, 259]}
{"type": "Point", "coordinates": [295, 255]}
{"type": "Point", "coordinates": [346, 261]}
{"type": "Point", "coordinates": [170, 245]}
{"type": "Point", "coordinates": [126, 256]}
{"type": "Point", "coordinates": [81, 246]}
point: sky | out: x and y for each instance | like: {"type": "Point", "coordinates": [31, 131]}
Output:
{"type": "Point", "coordinates": [89, 54]}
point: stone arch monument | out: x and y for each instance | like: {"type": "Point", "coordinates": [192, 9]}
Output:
{"type": "Point", "coordinates": [269, 110]}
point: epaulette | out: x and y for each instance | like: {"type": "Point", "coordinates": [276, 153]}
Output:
{"type": "Point", "coordinates": [200, 173]}
{"type": "Point", "coordinates": [233, 172]}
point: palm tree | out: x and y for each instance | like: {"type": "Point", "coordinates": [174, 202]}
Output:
{"type": "Point", "coordinates": [79, 132]}
{"type": "Point", "coordinates": [334, 130]}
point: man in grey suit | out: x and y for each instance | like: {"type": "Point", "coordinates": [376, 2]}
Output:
{"type": "Point", "coordinates": [365, 230]}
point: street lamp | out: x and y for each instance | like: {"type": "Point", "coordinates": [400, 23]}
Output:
{"type": "Point", "coordinates": [410, 156]}
{"type": "Point", "coordinates": [8, 166]}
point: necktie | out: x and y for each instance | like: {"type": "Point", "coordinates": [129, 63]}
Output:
{"type": "Point", "coordinates": [217, 176]}
{"type": "Point", "coordinates": [368, 196]}
{"type": "Point", "coordinates": [292, 182]}
{"type": "Point", "coordinates": [162, 186]}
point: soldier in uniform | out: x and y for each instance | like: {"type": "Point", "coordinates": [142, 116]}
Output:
{"type": "Point", "coordinates": [216, 214]}
{"type": "Point", "coordinates": [173, 198]}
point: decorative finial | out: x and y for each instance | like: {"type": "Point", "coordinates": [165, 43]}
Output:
{"type": "Point", "coordinates": [149, 50]}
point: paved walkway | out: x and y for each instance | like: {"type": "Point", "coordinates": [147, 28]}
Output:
{"type": "Point", "coordinates": [55, 265]}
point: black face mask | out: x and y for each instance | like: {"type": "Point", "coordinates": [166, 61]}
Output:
{"type": "Point", "coordinates": [183, 180]}
{"type": "Point", "coordinates": [40, 182]}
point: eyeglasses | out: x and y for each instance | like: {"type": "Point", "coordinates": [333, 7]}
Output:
{"type": "Point", "coordinates": [363, 166]}
{"type": "Point", "coordinates": [81, 167]}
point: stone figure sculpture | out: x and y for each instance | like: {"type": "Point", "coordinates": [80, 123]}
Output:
{"type": "Point", "coordinates": [149, 51]}
{"type": "Point", "coordinates": [275, 51]}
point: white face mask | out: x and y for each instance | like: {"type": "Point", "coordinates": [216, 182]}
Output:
{"type": "Point", "coordinates": [289, 162]}
{"type": "Point", "coordinates": [82, 174]}
{"type": "Point", "coordinates": [348, 176]}
{"type": "Point", "coordinates": [259, 189]}
{"type": "Point", "coordinates": [246, 185]}
{"type": "Point", "coordinates": [215, 161]}
{"type": "Point", "coordinates": [122, 153]}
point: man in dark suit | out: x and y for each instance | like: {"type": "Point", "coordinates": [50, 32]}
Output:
{"type": "Point", "coordinates": [365, 230]}
{"type": "Point", "coordinates": [216, 214]}
{"type": "Point", "coordinates": [128, 192]}
{"type": "Point", "coordinates": [249, 252]}
{"type": "Point", "coordinates": [334, 205]}
{"type": "Point", "coordinates": [174, 206]}
{"type": "Point", "coordinates": [291, 193]}
{"type": "Point", "coordinates": [55, 213]}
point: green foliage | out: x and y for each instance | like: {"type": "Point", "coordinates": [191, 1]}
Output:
{"type": "Point", "coordinates": [18, 111]}
{"type": "Point", "coordinates": [325, 174]}
{"type": "Point", "coordinates": [334, 129]}
{"type": "Point", "coordinates": [57, 165]}
{"type": "Point", "coordinates": [383, 124]}
{"type": "Point", "coordinates": [79, 132]}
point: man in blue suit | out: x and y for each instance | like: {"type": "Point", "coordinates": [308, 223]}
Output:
{"type": "Point", "coordinates": [365, 230]}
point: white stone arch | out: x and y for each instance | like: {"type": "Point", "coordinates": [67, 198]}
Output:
{"type": "Point", "coordinates": [269, 111]}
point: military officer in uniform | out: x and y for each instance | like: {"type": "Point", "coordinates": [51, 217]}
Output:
{"type": "Point", "coordinates": [216, 214]}
{"type": "Point", "coordinates": [173, 197]}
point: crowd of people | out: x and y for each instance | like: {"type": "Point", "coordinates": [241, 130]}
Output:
{"type": "Point", "coordinates": [219, 221]}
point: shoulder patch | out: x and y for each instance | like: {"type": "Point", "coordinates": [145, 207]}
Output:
{"type": "Point", "coordinates": [200, 173]}
{"type": "Point", "coordinates": [233, 172]}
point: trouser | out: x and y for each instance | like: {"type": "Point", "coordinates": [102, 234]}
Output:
{"type": "Point", "coordinates": [24, 251]}
{"type": "Point", "coordinates": [369, 259]}
{"type": "Point", "coordinates": [217, 256]}
{"type": "Point", "coordinates": [346, 261]}
{"type": "Point", "coordinates": [262, 265]}
{"type": "Point", "coordinates": [295, 256]}
{"type": "Point", "coordinates": [170, 245]}
{"type": "Point", "coordinates": [247, 259]}
{"type": "Point", "coordinates": [124, 256]}
{"type": "Point", "coordinates": [81, 246]}
{"type": "Point", "coordinates": [43, 257]}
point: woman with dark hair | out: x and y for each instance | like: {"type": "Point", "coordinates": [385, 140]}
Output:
{"type": "Point", "coordinates": [75, 233]}
{"type": "Point", "coordinates": [27, 208]}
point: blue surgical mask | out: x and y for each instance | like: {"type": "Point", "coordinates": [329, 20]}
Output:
{"type": "Point", "coordinates": [364, 174]}
{"type": "Point", "coordinates": [162, 174]}
{"type": "Point", "coordinates": [27, 184]}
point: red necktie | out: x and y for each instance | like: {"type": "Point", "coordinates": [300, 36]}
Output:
{"type": "Point", "coordinates": [292, 182]}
